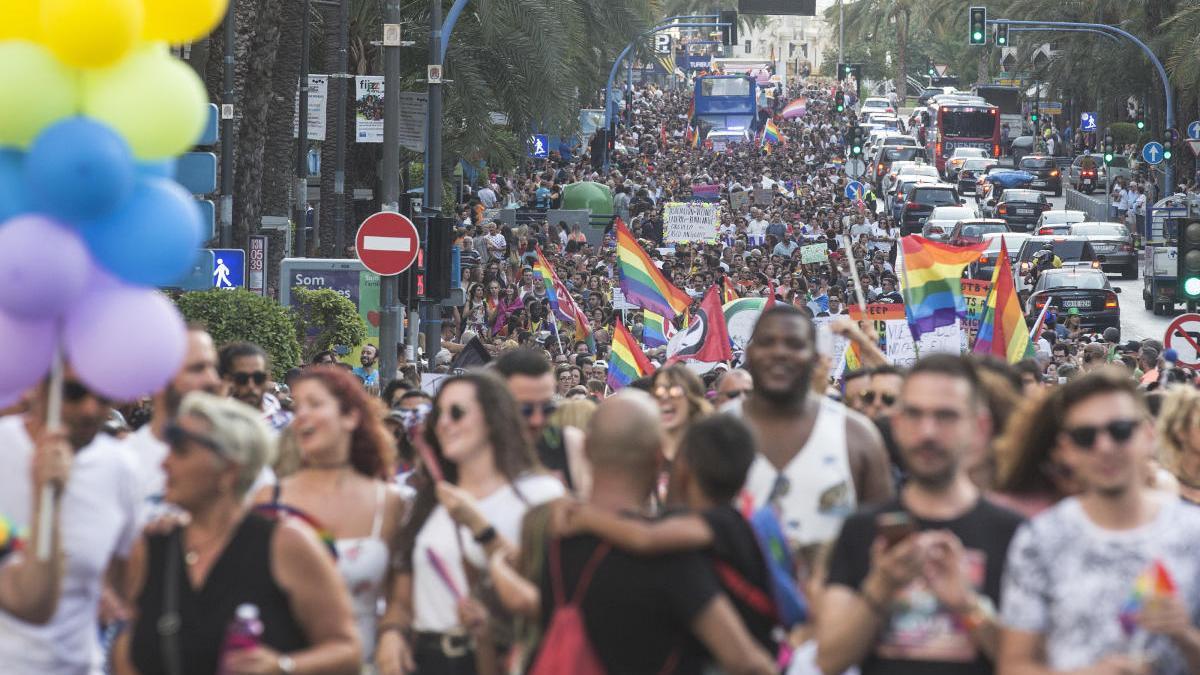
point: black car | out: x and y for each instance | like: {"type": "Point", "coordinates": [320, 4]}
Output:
{"type": "Point", "coordinates": [920, 201]}
{"type": "Point", "coordinates": [1021, 208]}
{"type": "Point", "coordinates": [1113, 243]}
{"type": "Point", "coordinates": [1083, 291]}
{"type": "Point", "coordinates": [1049, 177]}
{"type": "Point", "coordinates": [971, 170]}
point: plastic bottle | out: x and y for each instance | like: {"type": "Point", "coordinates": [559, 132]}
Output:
{"type": "Point", "coordinates": [244, 632]}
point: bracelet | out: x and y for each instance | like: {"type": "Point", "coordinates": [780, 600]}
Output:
{"type": "Point", "coordinates": [486, 536]}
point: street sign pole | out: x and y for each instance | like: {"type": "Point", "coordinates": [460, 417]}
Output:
{"type": "Point", "coordinates": [431, 314]}
{"type": "Point", "coordinates": [390, 193]}
{"type": "Point", "coordinates": [301, 200]}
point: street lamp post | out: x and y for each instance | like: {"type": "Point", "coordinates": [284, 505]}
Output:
{"type": "Point", "coordinates": [301, 200]}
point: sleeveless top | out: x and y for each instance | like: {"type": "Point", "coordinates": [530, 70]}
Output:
{"type": "Point", "coordinates": [241, 574]}
{"type": "Point", "coordinates": [815, 491]}
{"type": "Point", "coordinates": [363, 564]}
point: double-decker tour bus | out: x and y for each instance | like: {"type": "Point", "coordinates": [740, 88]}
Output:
{"type": "Point", "coordinates": [1008, 100]}
{"type": "Point", "coordinates": [951, 124]}
{"type": "Point", "coordinates": [726, 102]}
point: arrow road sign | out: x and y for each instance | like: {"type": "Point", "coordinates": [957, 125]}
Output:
{"type": "Point", "coordinates": [1193, 130]}
{"type": "Point", "coordinates": [854, 190]}
{"type": "Point", "coordinates": [387, 243]}
{"type": "Point", "coordinates": [1152, 152]}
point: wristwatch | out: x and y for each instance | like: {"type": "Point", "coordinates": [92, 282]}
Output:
{"type": "Point", "coordinates": [286, 665]}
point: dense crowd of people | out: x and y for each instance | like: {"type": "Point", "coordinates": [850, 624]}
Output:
{"type": "Point", "coordinates": [958, 515]}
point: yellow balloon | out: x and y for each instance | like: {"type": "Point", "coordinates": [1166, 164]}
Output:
{"type": "Point", "coordinates": [154, 100]}
{"type": "Point", "coordinates": [36, 90]}
{"type": "Point", "coordinates": [20, 19]}
{"type": "Point", "coordinates": [180, 21]}
{"type": "Point", "coordinates": [91, 33]}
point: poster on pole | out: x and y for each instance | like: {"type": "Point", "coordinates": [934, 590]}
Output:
{"type": "Point", "coordinates": [368, 108]}
{"type": "Point", "coordinates": [690, 222]}
{"type": "Point", "coordinates": [318, 104]}
{"type": "Point", "coordinates": [413, 114]}
{"type": "Point", "coordinates": [739, 201]}
{"type": "Point", "coordinates": [975, 292]}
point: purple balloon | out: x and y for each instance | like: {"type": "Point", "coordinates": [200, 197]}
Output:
{"type": "Point", "coordinates": [44, 267]}
{"type": "Point", "coordinates": [125, 342]}
{"type": "Point", "coordinates": [29, 349]}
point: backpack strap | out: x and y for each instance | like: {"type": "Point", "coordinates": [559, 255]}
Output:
{"type": "Point", "coordinates": [743, 590]}
{"type": "Point", "coordinates": [585, 578]}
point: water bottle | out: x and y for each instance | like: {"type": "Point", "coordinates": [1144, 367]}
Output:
{"type": "Point", "coordinates": [244, 632]}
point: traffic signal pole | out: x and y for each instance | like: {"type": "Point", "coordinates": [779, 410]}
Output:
{"type": "Point", "coordinates": [389, 319]}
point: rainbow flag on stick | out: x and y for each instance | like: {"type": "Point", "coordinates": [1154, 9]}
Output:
{"type": "Point", "coordinates": [933, 282]}
{"type": "Point", "coordinates": [1002, 330]}
{"type": "Point", "coordinates": [642, 283]}
{"type": "Point", "coordinates": [771, 133]}
{"type": "Point", "coordinates": [626, 362]}
{"type": "Point", "coordinates": [563, 305]}
{"type": "Point", "coordinates": [656, 329]}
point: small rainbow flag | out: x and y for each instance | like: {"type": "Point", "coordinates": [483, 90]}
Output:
{"type": "Point", "coordinates": [642, 283]}
{"type": "Point", "coordinates": [933, 282]}
{"type": "Point", "coordinates": [1155, 583]}
{"type": "Point", "coordinates": [626, 362]}
{"type": "Point", "coordinates": [1002, 329]}
{"type": "Point", "coordinates": [656, 330]}
{"type": "Point", "coordinates": [771, 133]}
{"type": "Point", "coordinates": [796, 108]}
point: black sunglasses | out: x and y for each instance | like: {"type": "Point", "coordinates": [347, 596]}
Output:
{"type": "Point", "coordinates": [1118, 430]}
{"type": "Point", "coordinates": [74, 392]}
{"type": "Point", "coordinates": [547, 408]}
{"type": "Point", "coordinates": [241, 379]}
{"type": "Point", "coordinates": [176, 436]}
{"type": "Point", "coordinates": [868, 397]}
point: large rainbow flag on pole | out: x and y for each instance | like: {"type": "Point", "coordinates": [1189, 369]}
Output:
{"type": "Point", "coordinates": [933, 282]}
{"type": "Point", "coordinates": [1002, 330]}
{"type": "Point", "coordinates": [642, 283]}
{"type": "Point", "coordinates": [771, 133]}
{"type": "Point", "coordinates": [626, 362]}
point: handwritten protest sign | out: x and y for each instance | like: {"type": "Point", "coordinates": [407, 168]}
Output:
{"type": "Point", "coordinates": [975, 292]}
{"type": "Point", "coordinates": [690, 222]}
{"type": "Point", "coordinates": [814, 253]}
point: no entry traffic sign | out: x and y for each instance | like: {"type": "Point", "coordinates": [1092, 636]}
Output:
{"type": "Point", "coordinates": [387, 243]}
{"type": "Point", "coordinates": [1183, 335]}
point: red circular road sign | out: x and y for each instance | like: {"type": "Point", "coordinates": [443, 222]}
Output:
{"type": "Point", "coordinates": [387, 243]}
{"type": "Point", "coordinates": [1183, 335]}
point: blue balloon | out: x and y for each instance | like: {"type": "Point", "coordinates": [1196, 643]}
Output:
{"type": "Point", "coordinates": [152, 239]}
{"type": "Point", "coordinates": [163, 168]}
{"type": "Point", "coordinates": [79, 169]}
{"type": "Point", "coordinates": [13, 199]}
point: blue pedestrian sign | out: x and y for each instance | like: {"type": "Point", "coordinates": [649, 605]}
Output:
{"type": "Point", "coordinates": [539, 146]}
{"type": "Point", "coordinates": [1193, 130]}
{"type": "Point", "coordinates": [1152, 152]}
{"type": "Point", "coordinates": [229, 268]}
{"type": "Point", "coordinates": [854, 190]}
{"type": "Point", "coordinates": [1087, 121]}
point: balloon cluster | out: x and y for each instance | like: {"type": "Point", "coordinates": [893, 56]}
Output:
{"type": "Point", "coordinates": [94, 110]}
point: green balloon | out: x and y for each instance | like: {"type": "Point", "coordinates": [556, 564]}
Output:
{"type": "Point", "coordinates": [36, 90]}
{"type": "Point", "coordinates": [154, 100]}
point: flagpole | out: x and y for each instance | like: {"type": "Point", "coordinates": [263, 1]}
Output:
{"type": "Point", "coordinates": [858, 292]}
{"type": "Point", "coordinates": [1037, 325]}
{"type": "Point", "coordinates": [557, 332]}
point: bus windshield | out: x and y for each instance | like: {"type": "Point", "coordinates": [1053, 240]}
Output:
{"type": "Point", "coordinates": [724, 86]}
{"type": "Point", "coordinates": [967, 123]}
{"type": "Point", "coordinates": [1007, 99]}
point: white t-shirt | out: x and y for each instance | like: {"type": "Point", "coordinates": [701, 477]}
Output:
{"type": "Point", "coordinates": [434, 607]}
{"type": "Point", "coordinates": [99, 520]}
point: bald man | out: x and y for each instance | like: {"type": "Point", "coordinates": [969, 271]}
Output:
{"type": "Point", "coordinates": [733, 384]}
{"type": "Point", "coordinates": [639, 612]}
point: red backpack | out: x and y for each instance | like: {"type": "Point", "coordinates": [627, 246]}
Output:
{"type": "Point", "coordinates": [565, 646]}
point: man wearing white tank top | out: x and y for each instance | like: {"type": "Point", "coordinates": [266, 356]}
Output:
{"type": "Point", "coordinates": [818, 460]}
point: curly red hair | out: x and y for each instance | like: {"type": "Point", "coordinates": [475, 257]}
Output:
{"type": "Point", "coordinates": [370, 444]}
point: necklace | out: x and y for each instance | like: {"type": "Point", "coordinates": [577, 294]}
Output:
{"type": "Point", "coordinates": [191, 554]}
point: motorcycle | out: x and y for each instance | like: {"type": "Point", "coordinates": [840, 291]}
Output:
{"type": "Point", "coordinates": [1087, 181]}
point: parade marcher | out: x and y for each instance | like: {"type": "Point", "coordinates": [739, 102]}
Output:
{"type": "Point", "coordinates": [243, 367]}
{"type": "Point", "coordinates": [1179, 437]}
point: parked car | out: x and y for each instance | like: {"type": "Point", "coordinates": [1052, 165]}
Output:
{"type": "Point", "coordinates": [986, 265]}
{"type": "Point", "coordinates": [1048, 176]}
{"type": "Point", "coordinates": [923, 199]}
{"type": "Point", "coordinates": [972, 169]}
{"type": "Point", "coordinates": [1085, 292]}
{"type": "Point", "coordinates": [943, 219]}
{"type": "Point", "coordinates": [1058, 221]}
{"type": "Point", "coordinates": [961, 155]}
{"type": "Point", "coordinates": [972, 230]}
{"type": "Point", "coordinates": [1021, 208]}
{"type": "Point", "coordinates": [1086, 173]}
{"type": "Point", "coordinates": [1113, 243]}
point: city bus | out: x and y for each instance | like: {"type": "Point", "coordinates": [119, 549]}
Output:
{"type": "Point", "coordinates": [957, 124]}
{"type": "Point", "coordinates": [1008, 100]}
{"type": "Point", "coordinates": [726, 102]}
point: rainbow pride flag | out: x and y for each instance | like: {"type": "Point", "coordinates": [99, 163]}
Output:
{"type": "Point", "coordinates": [932, 282]}
{"type": "Point", "coordinates": [656, 330]}
{"type": "Point", "coordinates": [1002, 330]}
{"type": "Point", "coordinates": [1154, 583]}
{"type": "Point", "coordinates": [796, 108]}
{"type": "Point", "coordinates": [626, 362]}
{"type": "Point", "coordinates": [771, 133]}
{"type": "Point", "coordinates": [642, 283]}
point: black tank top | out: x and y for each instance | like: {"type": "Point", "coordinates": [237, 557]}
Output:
{"type": "Point", "coordinates": [242, 574]}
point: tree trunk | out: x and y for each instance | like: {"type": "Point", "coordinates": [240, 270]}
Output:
{"type": "Point", "coordinates": [902, 18]}
{"type": "Point", "coordinates": [277, 171]}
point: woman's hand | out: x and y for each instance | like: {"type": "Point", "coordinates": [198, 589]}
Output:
{"type": "Point", "coordinates": [393, 655]}
{"type": "Point", "coordinates": [257, 661]}
{"type": "Point", "coordinates": [473, 615]}
{"type": "Point", "coordinates": [461, 506]}
{"type": "Point", "coordinates": [52, 459]}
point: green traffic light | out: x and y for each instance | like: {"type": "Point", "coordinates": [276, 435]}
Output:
{"type": "Point", "coordinates": [1033, 117]}
{"type": "Point", "coordinates": [1000, 40]}
{"type": "Point", "coordinates": [977, 36]}
{"type": "Point", "coordinates": [1167, 153]}
{"type": "Point", "coordinates": [1141, 124]}
{"type": "Point", "coordinates": [1191, 286]}
{"type": "Point", "coordinates": [1108, 157]}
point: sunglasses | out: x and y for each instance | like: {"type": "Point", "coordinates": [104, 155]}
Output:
{"type": "Point", "coordinates": [455, 411]}
{"type": "Point", "coordinates": [736, 393]}
{"type": "Point", "coordinates": [242, 379]}
{"type": "Point", "coordinates": [868, 397]}
{"type": "Point", "coordinates": [547, 408]}
{"type": "Point", "coordinates": [74, 392]}
{"type": "Point", "coordinates": [1085, 437]}
{"type": "Point", "coordinates": [671, 392]}
{"type": "Point", "coordinates": [176, 436]}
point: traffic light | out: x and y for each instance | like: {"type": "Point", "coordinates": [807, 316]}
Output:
{"type": "Point", "coordinates": [1170, 138]}
{"type": "Point", "coordinates": [841, 71]}
{"type": "Point", "coordinates": [1033, 116]}
{"type": "Point", "coordinates": [1002, 34]}
{"type": "Point", "coordinates": [840, 100]}
{"type": "Point", "coordinates": [978, 34]}
{"type": "Point", "coordinates": [439, 240]}
{"type": "Point", "coordinates": [1110, 148]}
{"type": "Point", "coordinates": [931, 70]}
{"type": "Point", "coordinates": [856, 141]}
{"type": "Point", "coordinates": [729, 34]}
{"type": "Point", "coordinates": [847, 70]}
{"type": "Point", "coordinates": [1140, 116]}
{"type": "Point", "coordinates": [1188, 262]}
{"type": "Point", "coordinates": [1167, 153]}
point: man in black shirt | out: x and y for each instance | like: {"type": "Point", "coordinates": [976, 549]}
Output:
{"type": "Point", "coordinates": [914, 583]}
{"type": "Point", "coordinates": [645, 614]}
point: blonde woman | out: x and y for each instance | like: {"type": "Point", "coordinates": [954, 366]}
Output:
{"type": "Point", "coordinates": [1179, 435]}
